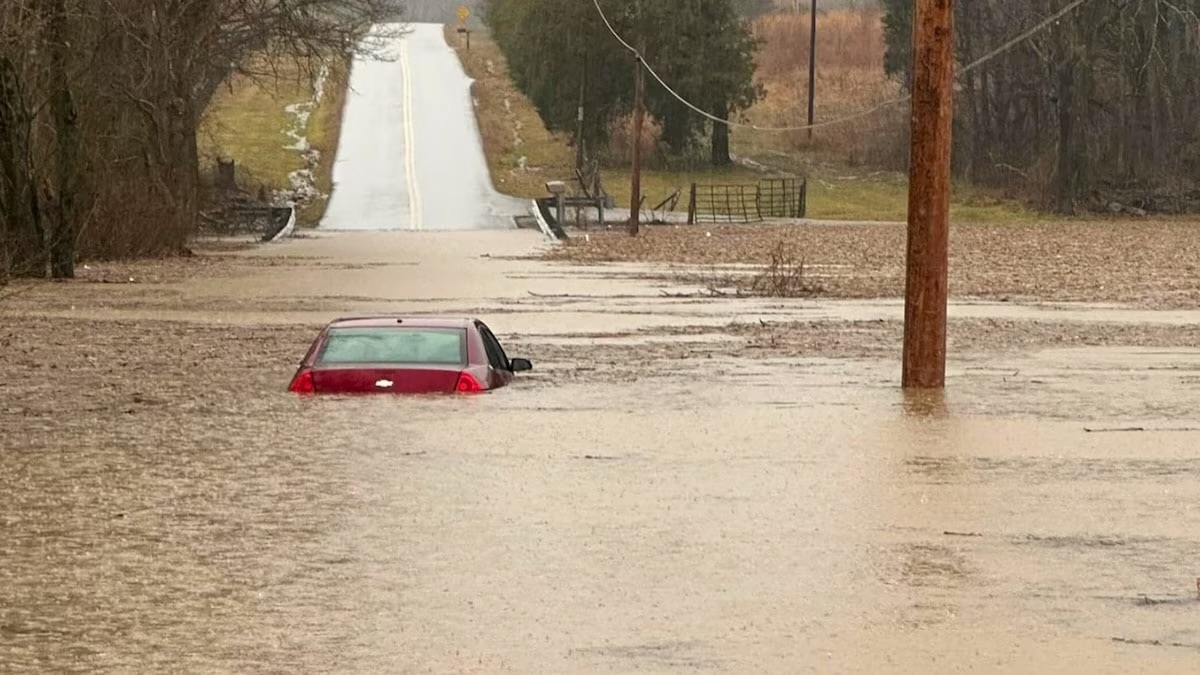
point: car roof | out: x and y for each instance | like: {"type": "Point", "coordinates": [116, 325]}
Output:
{"type": "Point", "coordinates": [405, 321]}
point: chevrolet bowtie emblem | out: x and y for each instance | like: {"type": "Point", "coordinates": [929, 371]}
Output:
{"type": "Point", "coordinates": [384, 384]}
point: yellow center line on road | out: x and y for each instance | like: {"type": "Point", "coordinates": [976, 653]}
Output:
{"type": "Point", "coordinates": [410, 153]}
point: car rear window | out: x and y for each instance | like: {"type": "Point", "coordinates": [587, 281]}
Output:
{"type": "Point", "coordinates": [432, 346]}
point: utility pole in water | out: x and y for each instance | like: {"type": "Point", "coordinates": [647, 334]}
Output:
{"type": "Point", "coordinates": [812, 68]}
{"type": "Point", "coordinates": [929, 196]}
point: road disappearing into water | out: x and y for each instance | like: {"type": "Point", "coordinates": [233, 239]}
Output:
{"type": "Point", "coordinates": [410, 155]}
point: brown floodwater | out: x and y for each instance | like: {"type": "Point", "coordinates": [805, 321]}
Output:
{"type": "Point", "coordinates": [165, 507]}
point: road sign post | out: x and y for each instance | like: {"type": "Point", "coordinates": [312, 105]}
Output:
{"type": "Point", "coordinates": [464, 13]}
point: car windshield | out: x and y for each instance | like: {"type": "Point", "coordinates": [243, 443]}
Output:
{"type": "Point", "coordinates": [433, 346]}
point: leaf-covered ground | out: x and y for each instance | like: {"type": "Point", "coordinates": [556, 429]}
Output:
{"type": "Point", "coordinates": [1152, 264]}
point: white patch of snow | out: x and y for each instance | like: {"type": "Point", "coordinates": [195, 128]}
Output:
{"type": "Point", "coordinates": [302, 182]}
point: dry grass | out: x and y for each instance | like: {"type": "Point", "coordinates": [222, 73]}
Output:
{"type": "Point", "coordinates": [854, 168]}
{"type": "Point", "coordinates": [1150, 263]}
{"type": "Point", "coordinates": [846, 39]}
{"type": "Point", "coordinates": [522, 155]}
{"type": "Point", "coordinates": [247, 122]}
{"type": "Point", "coordinates": [784, 274]}
{"type": "Point", "coordinates": [850, 78]}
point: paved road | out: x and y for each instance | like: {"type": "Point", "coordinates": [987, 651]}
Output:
{"type": "Point", "coordinates": [410, 156]}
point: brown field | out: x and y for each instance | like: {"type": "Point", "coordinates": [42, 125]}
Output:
{"type": "Point", "coordinates": [1151, 265]}
{"type": "Point", "coordinates": [850, 79]}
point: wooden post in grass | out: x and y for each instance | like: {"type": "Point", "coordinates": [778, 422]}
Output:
{"type": "Point", "coordinates": [812, 69]}
{"type": "Point", "coordinates": [929, 196]}
{"type": "Point", "coordinates": [639, 115]}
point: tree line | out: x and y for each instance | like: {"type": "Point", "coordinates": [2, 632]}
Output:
{"type": "Point", "coordinates": [100, 104]}
{"type": "Point", "coordinates": [563, 58]}
{"type": "Point", "coordinates": [1100, 107]}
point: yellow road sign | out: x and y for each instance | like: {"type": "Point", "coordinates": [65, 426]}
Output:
{"type": "Point", "coordinates": [463, 13]}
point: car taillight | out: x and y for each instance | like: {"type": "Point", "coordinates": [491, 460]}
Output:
{"type": "Point", "coordinates": [467, 384]}
{"type": "Point", "coordinates": [303, 383]}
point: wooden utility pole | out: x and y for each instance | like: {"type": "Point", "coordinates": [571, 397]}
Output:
{"type": "Point", "coordinates": [639, 116]}
{"type": "Point", "coordinates": [812, 68]}
{"type": "Point", "coordinates": [579, 149]}
{"type": "Point", "coordinates": [929, 196]}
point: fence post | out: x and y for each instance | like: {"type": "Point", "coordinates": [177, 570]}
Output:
{"type": "Point", "coordinates": [692, 205]}
{"type": "Point", "coordinates": [226, 174]}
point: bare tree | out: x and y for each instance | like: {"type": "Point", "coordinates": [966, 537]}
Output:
{"type": "Point", "coordinates": [101, 100]}
{"type": "Point", "coordinates": [1100, 107]}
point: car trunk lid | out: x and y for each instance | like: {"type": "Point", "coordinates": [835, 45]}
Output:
{"type": "Point", "coordinates": [386, 379]}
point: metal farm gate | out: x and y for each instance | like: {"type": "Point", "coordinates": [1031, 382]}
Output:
{"type": "Point", "coordinates": [723, 204]}
{"type": "Point", "coordinates": [781, 198]}
{"type": "Point", "coordinates": [769, 198]}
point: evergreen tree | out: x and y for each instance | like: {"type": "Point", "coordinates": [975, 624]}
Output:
{"type": "Point", "coordinates": [558, 51]}
{"type": "Point", "coordinates": [708, 59]}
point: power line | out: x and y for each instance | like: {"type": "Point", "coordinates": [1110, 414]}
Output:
{"type": "Point", "coordinates": [1018, 39]}
{"type": "Point", "coordinates": [1043, 25]}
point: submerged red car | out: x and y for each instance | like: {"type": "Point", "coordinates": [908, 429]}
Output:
{"type": "Point", "coordinates": [405, 355]}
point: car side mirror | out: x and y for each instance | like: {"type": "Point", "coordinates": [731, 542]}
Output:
{"type": "Point", "coordinates": [520, 365]}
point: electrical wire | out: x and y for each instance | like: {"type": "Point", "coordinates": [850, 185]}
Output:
{"type": "Point", "coordinates": [1018, 39]}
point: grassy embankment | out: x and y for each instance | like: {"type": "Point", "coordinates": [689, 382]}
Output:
{"type": "Point", "coordinates": [850, 79]}
{"type": "Point", "coordinates": [523, 155]}
{"type": "Point", "coordinates": [247, 121]}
